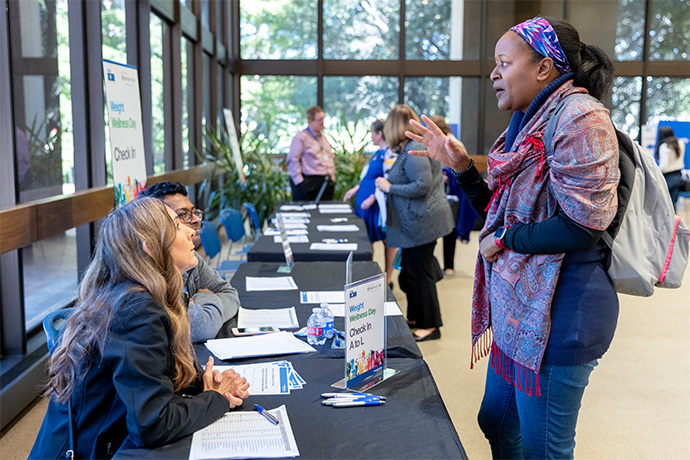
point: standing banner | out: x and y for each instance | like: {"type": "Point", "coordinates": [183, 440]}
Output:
{"type": "Point", "coordinates": [234, 144]}
{"type": "Point", "coordinates": [126, 136]}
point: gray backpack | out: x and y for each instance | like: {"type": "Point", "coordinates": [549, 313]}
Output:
{"type": "Point", "coordinates": [648, 242]}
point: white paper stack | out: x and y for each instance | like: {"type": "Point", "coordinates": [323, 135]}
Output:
{"type": "Point", "coordinates": [277, 343]}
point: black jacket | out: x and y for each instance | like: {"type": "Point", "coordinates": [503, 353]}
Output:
{"type": "Point", "coordinates": [128, 392]}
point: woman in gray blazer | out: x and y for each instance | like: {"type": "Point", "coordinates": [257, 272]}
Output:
{"type": "Point", "coordinates": [418, 214]}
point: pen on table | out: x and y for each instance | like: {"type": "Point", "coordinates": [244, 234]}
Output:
{"type": "Point", "coordinates": [336, 401]}
{"type": "Point", "coordinates": [358, 403]}
{"type": "Point", "coordinates": [334, 240]}
{"type": "Point", "coordinates": [271, 418]}
{"type": "Point", "coordinates": [349, 395]}
{"type": "Point", "coordinates": [355, 398]}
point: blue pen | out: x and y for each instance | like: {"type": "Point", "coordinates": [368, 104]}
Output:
{"type": "Point", "coordinates": [334, 401]}
{"type": "Point", "coordinates": [348, 395]}
{"type": "Point", "coordinates": [271, 418]}
{"type": "Point", "coordinates": [359, 403]}
{"type": "Point", "coordinates": [334, 240]}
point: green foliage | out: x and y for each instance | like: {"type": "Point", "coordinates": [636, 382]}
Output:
{"type": "Point", "coordinates": [266, 183]}
{"type": "Point", "coordinates": [348, 144]}
{"type": "Point", "coordinates": [45, 161]}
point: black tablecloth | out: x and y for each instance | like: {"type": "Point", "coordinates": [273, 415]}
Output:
{"type": "Point", "coordinates": [267, 250]}
{"type": "Point", "coordinates": [414, 422]}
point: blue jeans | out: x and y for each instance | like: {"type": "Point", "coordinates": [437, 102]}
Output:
{"type": "Point", "coordinates": [520, 426]}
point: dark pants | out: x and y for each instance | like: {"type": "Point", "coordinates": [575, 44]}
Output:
{"type": "Point", "coordinates": [450, 239]}
{"type": "Point", "coordinates": [308, 189]}
{"type": "Point", "coordinates": [673, 180]}
{"type": "Point", "coordinates": [418, 276]}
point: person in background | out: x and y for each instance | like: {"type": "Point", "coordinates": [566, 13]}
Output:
{"type": "Point", "coordinates": [124, 369]}
{"type": "Point", "coordinates": [543, 305]}
{"type": "Point", "coordinates": [418, 215]}
{"type": "Point", "coordinates": [463, 214]}
{"type": "Point", "coordinates": [311, 161]}
{"type": "Point", "coordinates": [670, 154]}
{"type": "Point", "coordinates": [212, 300]}
{"type": "Point", "coordinates": [371, 211]}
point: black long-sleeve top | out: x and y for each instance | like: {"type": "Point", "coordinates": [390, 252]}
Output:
{"type": "Point", "coordinates": [556, 234]}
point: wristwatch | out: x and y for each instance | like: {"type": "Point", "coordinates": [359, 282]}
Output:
{"type": "Point", "coordinates": [499, 235]}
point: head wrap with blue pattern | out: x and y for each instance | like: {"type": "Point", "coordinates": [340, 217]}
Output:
{"type": "Point", "coordinates": [539, 34]}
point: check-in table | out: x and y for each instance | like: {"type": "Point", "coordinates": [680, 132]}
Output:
{"type": "Point", "coordinates": [414, 422]}
{"type": "Point", "coordinates": [265, 249]}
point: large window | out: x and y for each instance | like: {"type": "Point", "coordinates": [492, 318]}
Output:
{"type": "Point", "coordinates": [158, 29]}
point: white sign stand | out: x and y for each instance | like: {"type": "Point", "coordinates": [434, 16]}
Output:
{"type": "Point", "coordinates": [126, 136]}
{"type": "Point", "coordinates": [289, 257]}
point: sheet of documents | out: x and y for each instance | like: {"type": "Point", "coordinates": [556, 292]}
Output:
{"type": "Point", "coordinates": [292, 239]}
{"type": "Point", "coordinates": [332, 247]}
{"type": "Point", "coordinates": [338, 228]}
{"type": "Point", "coordinates": [294, 215]}
{"type": "Point", "coordinates": [293, 231]}
{"type": "Point", "coordinates": [245, 434]}
{"type": "Point", "coordinates": [294, 225]}
{"type": "Point", "coordinates": [298, 207]}
{"type": "Point", "coordinates": [276, 343]}
{"type": "Point", "coordinates": [334, 208]}
{"type": "Point", "coordinates": [390, 309]}
{"type": "Point", "coordinates": [285, 318]}
{"type": "Point", "coordinates": [272, 283]}
{"type": "Point", "coordinates": [322, 296]}
{"type": "Point", "coordinates": [275, 377]}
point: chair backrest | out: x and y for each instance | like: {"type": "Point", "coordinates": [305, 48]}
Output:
{"type": "Point", "coordinates": [52, 325]}
{"type": "Point", "coordinates": [210, 239]}
{"type": "Point", "coordinates": [233, 223]}
{"type": "Point", "coordinates": [251, 210]}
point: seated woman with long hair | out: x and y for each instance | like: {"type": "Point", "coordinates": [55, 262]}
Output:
{"type": "Point", "coordinates": [124, 368]}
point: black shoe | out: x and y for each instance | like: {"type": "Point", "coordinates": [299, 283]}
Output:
{"type": "Point", "coordinates": [434, 335]}
{"type": "Point", "coordinates": [390, 285]}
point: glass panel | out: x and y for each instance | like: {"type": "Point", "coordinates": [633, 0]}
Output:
{"type": "Point", "coordinates": [205, 14]}
{"type": "Point", "coordinates": [630, 30]}
{"type": "Point", "coordinates": [50, 276]}
{"type": "Point", "coordinates": [37, 22]}
{"type": "Point", "coordinates": [206, 89]}
{"type": "Point", "coordinates": [158, 94]}
{"type": "Point", "coordinates": [454, 98]}
{"type": "Point", "coordinates": [114, 31]}
{"type": "Point", "coordinates": [434, 30]}
{"type": "Point", "coordinates": [668, 99]}
{"type": "Point", "coordinates": [278, 29]}
{"type": "Point", "coordinates": [625, 113]}
{"type": "Point", "coordinates": [43, 115]}
{"type": "Point", "coordinates": [669, 30]}
{"type": "Point", "coordinates": [359, 98]}
{"type": "Point", "coordinates": [187, 60]}
{"type": "Point", "coordinates": [273, 108]}
{"type": "Point", "coordinates": [367, 29]}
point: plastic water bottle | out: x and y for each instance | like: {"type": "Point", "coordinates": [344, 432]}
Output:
{"type": "Point", "coordinates": [328, 320]}
{"type": "Point", "coordinates": [315, 328]}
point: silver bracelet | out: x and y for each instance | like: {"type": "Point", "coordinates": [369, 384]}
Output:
{"type": "Point", "coordinates": [458, 175]}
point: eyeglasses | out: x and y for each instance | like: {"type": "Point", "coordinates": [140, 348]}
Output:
{"type": "Point", "coordinates": [187, 216]}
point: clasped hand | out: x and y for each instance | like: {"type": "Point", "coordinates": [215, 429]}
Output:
{"type": "Point", "coordinates": [228, 383]}
{"type": "Point", "coordinates": [440, 147]}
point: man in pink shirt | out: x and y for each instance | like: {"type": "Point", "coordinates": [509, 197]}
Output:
{"type": "Point", "coordinates": [311, 162]}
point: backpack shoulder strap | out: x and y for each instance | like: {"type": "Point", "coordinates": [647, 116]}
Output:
{"type": "Point", "coordinates": [552, 124]}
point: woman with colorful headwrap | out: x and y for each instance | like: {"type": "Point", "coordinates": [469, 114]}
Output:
{"type": "Point", "coordinates": [543, 305]}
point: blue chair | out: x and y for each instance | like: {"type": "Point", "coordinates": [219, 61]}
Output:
{"type": "Point", "coordinates": [52, 325]}
{"type": "Point", "coordinates": [234, 228]}
{"type": "Point", "coordinates": [254, 216]}
{"type": "Point", "coordinates": [210, 240]}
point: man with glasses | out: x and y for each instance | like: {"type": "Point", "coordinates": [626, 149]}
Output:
{"type": "Point", "coordinates": [212, 300]}
{"type": "Point", "coordinates": [311, 162]}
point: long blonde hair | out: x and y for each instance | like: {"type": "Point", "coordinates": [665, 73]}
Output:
{"type": "Point", "coordinates": [397, 122]}
{"type": "Point", "coordinates": [119, 267]}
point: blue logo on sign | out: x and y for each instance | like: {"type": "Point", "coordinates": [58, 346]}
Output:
{"type": "Point", "coordinates": [111, 76]}
{"type": "Point", "coordinates": [353, 294]}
